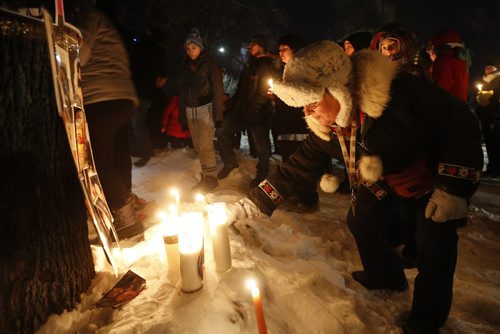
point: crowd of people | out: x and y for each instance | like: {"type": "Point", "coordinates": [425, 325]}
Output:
{"type": "Point", "coordinates": [393, 112]}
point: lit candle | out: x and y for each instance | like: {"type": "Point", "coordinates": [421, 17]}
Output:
{"type": "Point", "coordinates": [171, 242]}
{"type": "Point", "coordinates": [270, 82]}
{"type": "Point", "coordinates": [177, 196]}
{"type": "Point", "coordinates": [217, 219]}
{"type": "Point", "coordinates": [191, 252]}
{"type": "Point", "coordinates": [479, 87]}
{"type": "Point", "coordinates": [259, 309]}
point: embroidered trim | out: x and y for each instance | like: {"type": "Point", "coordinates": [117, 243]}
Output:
{"type": "Point", "coordinates": [459, 172]}
{"type": "Point", "coordinates": [271, 192]}
{"type": "Point", "coordinates": [375, 189]}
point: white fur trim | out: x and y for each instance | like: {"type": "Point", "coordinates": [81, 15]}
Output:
{"type": "Point", "coordinates": [329, 183]}
{"type": "Point", "coordinates": [298, 94]}
{"type": "Point", "coordinates": [370, 168]}
{"type": "Point", "coordinates": [319, 66]}
{"type": "Point", "coordinates": [373, 75]}
{"type": "Point", "coordinates": [319, 130]}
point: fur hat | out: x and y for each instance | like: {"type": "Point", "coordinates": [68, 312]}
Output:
{"type": "Point", "coordinates": [318, 67]}
{"type": "Point", "coordinates": [194, 37]}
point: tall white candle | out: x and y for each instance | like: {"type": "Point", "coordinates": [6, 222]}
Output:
{"type": "Point", "coordinates": [217, 219]}
{"type": "Point", "coordinates": [191, 252]}
{"type": "Point", "coordinates": [170, 230]}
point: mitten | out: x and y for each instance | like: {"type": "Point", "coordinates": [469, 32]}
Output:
{"type": "Point", "coordinates": [242, 209]}
{"type": "Point", "coordinates": [443, 207]}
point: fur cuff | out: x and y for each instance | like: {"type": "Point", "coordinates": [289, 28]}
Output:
{"type": "Point", "coordinates": [298, 94]}
{"type": "Point", "coordinates": [370, 168]}
{"type": "Point", "coordinates": [329, 183]}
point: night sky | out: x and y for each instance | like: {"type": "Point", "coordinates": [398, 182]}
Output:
{"type": "Point", "coordinates": [234, 21]}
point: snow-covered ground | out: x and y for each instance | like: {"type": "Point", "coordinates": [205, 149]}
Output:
{"type": "Point", "coordinates": [302, 263]}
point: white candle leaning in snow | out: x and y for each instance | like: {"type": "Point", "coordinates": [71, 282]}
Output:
{"type": "Point", "coordinates": [191, 252]}
{"type": "Point", "coordinates": [259, 309]}
{"type": "Point", "coordinates": [170, 229]}
{"type": "Point", "coordinates": [217, 219]}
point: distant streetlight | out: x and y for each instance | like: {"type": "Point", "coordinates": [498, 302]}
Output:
{"type": "Point", "coordinates": [222, 50]}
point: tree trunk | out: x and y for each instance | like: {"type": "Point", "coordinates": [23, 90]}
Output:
{"type": "Point", "coordinates": [45, 256]}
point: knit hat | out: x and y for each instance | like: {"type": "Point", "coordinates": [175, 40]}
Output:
{"type": "Point", "coordinates": [359, 40]}
{"type": "Point", "coordinates": [194, 37]}
{"type": "Point", "coordinates": [319, 66]}
{"type": "Point", "coordinates": [260, 40]}
{"type": "Point", "coordinates": [295, 42]}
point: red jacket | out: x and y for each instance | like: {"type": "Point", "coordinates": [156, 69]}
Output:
{"type": "Point", "coordinates": [170, 122]}
{"type": "Point", "coordinates": [451, 74]}
{"type": "Point", "coordinates": [448, 71]}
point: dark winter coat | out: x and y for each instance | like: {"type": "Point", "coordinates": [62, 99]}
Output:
{"type": "Point", "coordinates": [148, 62]}
{"type": "Point", "coordinates": [288, 120]}
{"type": "Point", "coordinates": [250, 104]}
{"type": "Point", "coordinates": [408, 120]}
{"type": "Point", "coordinates": [200, 84]}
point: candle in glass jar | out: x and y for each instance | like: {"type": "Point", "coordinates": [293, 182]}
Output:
{"type": "Point", "coordinates": [170, 231]}
{"type": "Point", "coordinates": [217, 219]}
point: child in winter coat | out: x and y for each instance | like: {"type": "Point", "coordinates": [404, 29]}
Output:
{"type": "Point", "coordinates": [201, 105]}
{"type": "Point", "coordinates": [177, 136]}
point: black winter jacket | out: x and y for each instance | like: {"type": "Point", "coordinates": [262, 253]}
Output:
{"type": "Point", "coordinates": [200, 84]}
{"type": "Point", "coordinates": [250, 104]}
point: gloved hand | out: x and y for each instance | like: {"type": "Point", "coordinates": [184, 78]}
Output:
{"type": "Point", "coordinates": [242, 209]}
{"type": "Point", "coordinates": [443, 207]}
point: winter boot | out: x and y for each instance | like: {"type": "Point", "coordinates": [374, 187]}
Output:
{"type": "Point", "coordinates": [207, 183]}
{"type": "Point", "coordinates": [126, 223]}
{"type": "Point", "coordinates": [225, 171]}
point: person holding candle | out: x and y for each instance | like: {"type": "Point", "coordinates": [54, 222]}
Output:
{"type": "Point", "coordinates": [251, 109]}
{"type": "Point", "coordinates": [418, 156]}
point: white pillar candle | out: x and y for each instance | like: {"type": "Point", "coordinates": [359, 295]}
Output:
{"type": "Point", "coordinates": [191, 252]}
{"type": "Point", "coordinates": [170, 230]}
{"type": "Point", "coordinates": [217, 219]}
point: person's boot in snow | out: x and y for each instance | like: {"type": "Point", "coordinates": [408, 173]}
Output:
{"type": "Point", "coordinates": [126, 223]}
{"type": "Point", "coordinates": [207, 183]}
{"type": "Point", "coordinates": [362, 278]}
{"type": "Point", "coordinates": [225, 171]}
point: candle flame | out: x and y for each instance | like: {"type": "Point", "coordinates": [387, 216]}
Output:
{"type": "Point", "coordinates": [217, 214]}
{"type": "Point", "coordinates": [270, 82]}
{"type": "Point", "coordinates": [199, 197]}
{"type": "Point", "coordinates": [174, 192]}
{"type": "Point", "coordinates": [161, 215]}
{"type": "Point", "coordinates": [479, 86]}
{"type": "Point", "coordinates": [251, 284]}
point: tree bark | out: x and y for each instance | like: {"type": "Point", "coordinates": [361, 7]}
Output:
{"type": "Point", "coordinates": [45, 256]}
